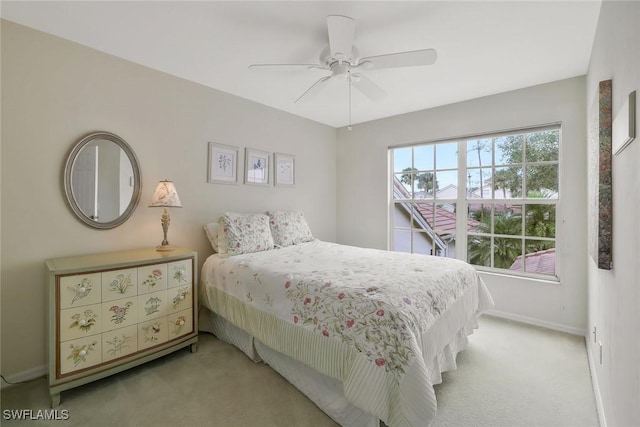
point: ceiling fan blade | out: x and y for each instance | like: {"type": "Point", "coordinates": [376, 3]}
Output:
{"type": "Point", "coordinates": [368, 87]}
{"type": "Point", "coordinates": [401, 59]}
{"type": "Point", "coordinates": [341, 31]}
{"type": "Point", "coordinates": [314, 89]}
{"type": "Point", "coordinates": [284, 67]}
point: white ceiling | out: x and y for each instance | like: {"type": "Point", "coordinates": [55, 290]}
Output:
{"type": "Point", "coordinates": [483, 47]}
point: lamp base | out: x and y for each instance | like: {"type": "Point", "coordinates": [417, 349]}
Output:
{"type": "Point", "coordinates": [164, 248]}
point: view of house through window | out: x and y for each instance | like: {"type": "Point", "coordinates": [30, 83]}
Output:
{"type": "Point", "coordinates": [489, 200]}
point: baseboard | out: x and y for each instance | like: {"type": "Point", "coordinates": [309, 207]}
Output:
{"type": "Point", "coordinates": [28, 375]}
{"type": "Point", "coordinates": [596, 387]}
{"type": "Point", "coordinates": [537, 322]}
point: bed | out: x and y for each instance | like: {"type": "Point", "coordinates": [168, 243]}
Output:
{"type": "Point", "coordinates": [364, 333]}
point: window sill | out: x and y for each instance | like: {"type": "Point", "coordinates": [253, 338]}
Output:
{"type": "Point", "coordinates": [532, 278]}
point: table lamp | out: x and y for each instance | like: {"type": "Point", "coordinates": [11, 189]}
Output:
{"type": "Point", "coordinates": [165, 197]}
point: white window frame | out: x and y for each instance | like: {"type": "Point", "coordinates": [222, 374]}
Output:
{"type": "Point", "coordinates": [462, 202]}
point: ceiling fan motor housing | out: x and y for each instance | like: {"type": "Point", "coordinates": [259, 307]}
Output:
{"type": "Point", "coordinates": [328, 60]}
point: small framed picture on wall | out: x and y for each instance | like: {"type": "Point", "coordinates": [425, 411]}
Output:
{"type": "Point", "coordinates": [223, 164]}
{"type": "Point", "coordinates": [284, 170]}
{"type": "Point", "coordinates": [257, 167]}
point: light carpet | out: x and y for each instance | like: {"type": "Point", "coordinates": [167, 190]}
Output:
{"type": "Point", "coordinates": [510, 374]}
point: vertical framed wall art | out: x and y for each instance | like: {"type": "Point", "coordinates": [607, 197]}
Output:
{"type": "Point", "coordinates": [223, 164]}
{"type": "Point", "coordinates": [600, 134]}
{"type": "Point", "coordinates": [284, 170]}
{"type": "Point", "coordinates": [257, 167]}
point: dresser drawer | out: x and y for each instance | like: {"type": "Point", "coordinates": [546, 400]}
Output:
{"type": "Point", "coordinates": [180, 273]}
{"type": "Point", "coordinates": [180, 298]}
{"type": "Point", "coordinates": [80, 289]}
{"type": "Point", "coordinates": [152, 278]}
{"type": "Point", "coordinates": [79, 322]}
{"type": "Point", "coordinates": [180, 323]}
{"type": "Point", "coordinates": [152, 306]}
{"type": "Point", "coordinates": [118, 284]}
{"type": "Point", "coordinates": [80, 354]}
{"type": "Point", "coordinates": [120, 313]}
{"type": "Point", "coordinates": [119, 343]}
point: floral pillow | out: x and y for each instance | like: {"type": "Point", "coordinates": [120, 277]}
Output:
{"type": "Point", "coordinates": [243, 234]}
{"type": "Point", "coordinates": [289, 228]}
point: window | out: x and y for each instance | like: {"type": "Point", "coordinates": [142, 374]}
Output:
{"type": "Point", "coordinates": [505, 184]}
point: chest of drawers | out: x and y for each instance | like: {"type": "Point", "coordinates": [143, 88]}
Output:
{"type": "Point", "coordinates": [113, 311]}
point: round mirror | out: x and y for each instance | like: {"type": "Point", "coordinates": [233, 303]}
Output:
{"type": "Point", "coordinates": [102, 180]}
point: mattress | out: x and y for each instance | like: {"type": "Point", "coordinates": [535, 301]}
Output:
{"type": "Point", "coordinates": [384, 325]}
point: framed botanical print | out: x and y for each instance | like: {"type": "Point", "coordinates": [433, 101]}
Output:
{"type": "Point", "coordinates": [223, 164]}
{"type": "Point", "coordinates": [257, 167]}
{"type": "Point", "coordinates": [284, 170]}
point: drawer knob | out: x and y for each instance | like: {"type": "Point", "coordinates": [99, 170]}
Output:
{"type": "Point", "coordinates": [181, 297]}
{"type": "Point", "coordinates": [83, 289]}
{"type": "Point", "coordinates": [83, 353]}
{"type": "Point", "coordinates": [82, 322]}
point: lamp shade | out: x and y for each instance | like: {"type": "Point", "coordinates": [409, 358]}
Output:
{"type": "Point", "coordinates": [165, 196]}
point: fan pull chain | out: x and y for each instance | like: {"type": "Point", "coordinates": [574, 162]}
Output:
{"type": "Point", "coordinates": [349, 127]}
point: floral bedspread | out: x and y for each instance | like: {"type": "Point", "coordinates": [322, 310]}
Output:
{"type": "Point", "coordinates": [376, 303]}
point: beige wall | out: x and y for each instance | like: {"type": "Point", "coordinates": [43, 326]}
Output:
{"type": "Point", "coordinates": [363, 198]}
{"type": "Point", "coordinates": [54, 92]}
{"type": "Point", "coordinates": [614, 295]}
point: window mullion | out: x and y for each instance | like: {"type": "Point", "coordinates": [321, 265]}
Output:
{"type": "Point", "coordinates": [463, 205]}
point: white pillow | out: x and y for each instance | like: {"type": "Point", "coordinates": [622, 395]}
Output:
{"type": "Point", "coordinates": [211, 230]}
{"type": "Point", "coordinates": [289, 228]}
{"type": "Point", "coordinates": [243, 233]}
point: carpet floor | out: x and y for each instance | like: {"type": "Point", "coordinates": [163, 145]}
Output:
{"type": "Point", "coordinates": [510, 374]}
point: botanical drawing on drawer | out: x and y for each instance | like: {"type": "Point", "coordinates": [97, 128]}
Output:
{"type": "Point", "coordinates": [118, 284]}
{"type": "Point", "coordinates": [119, 342]}
{"type": "Point", "coordinates": [180, 323]}
{"type": "Point", "coordinates": [179, 273]}
{"type": "Point", "coordinates": [119, 313]}
{"type": "Point", "coordinates": [152, 305]}
{"type": "Point", "coordinates": [80, 353]}
{"type": "Point", "coordinates": [181, 298]}
{"type": "Point", "coordinates": [152, 333]}
{"type": "Point", "coordinates": [152, 278]}
{"type": "Point", "coordinates": [78, 290]}
{"type": "Point", "coordinates": [80, 322]}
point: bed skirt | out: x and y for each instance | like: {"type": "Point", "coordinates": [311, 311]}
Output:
{"type": "Point", "coordinates": [327, 393]}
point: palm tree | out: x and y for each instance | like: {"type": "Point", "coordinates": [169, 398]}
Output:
{"type": "Point", "coordinates": [501, 179]}
{"type": "Point", "coordinates": [540, 221]}
{"type": "Point", "coordinates": [408, 177]}
{"type": "Point", "coordinates": [479, 250]}
{"type": "Point", "coordinates": [426, 180]}
{"type": "Point", "coordinates": [505, 250]}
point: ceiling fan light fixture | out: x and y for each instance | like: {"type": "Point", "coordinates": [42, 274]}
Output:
{"type": "Point", "coordinates": [340, 70]}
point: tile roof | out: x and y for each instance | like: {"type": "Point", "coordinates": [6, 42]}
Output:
{"type": "Point", "coordinates": [442, 221]}
{"type": "Point", "coordinates": [541, 262]}
{"type": "Point", "coordinates": [439, 218]}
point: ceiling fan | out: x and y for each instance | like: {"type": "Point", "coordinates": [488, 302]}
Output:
{"type": "Point", "coordinates": [342, 59]}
